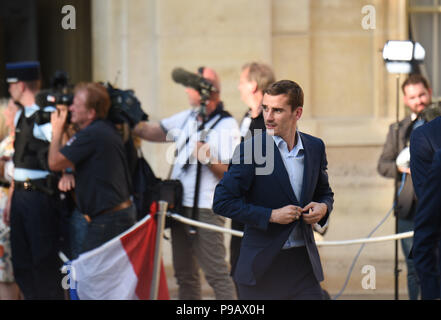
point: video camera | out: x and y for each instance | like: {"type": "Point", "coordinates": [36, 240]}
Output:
{"type": "Point", "coordinates": [125, 106]}
{"type": "Point", "coordinates": [59, 92]}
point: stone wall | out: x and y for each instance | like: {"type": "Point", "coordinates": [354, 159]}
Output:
{"type": "Point", "coordinates": [349, 98]}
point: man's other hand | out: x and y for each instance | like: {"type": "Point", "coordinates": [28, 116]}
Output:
{"type": "Point", "coordinates": [58, 119]}
{"type": "Point", "coordinates": [286, 214]}
{"type": "Point", "coordinates": [314, 212]}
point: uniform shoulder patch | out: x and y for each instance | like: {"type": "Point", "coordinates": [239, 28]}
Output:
{"type": "Point", "coordinates": [71, 140]}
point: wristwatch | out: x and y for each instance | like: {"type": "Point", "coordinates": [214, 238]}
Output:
{"type": "Point", "coordinates": [68, 170]}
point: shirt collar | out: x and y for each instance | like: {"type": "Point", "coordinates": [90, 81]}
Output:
{"type": "Point", "coordinates": [281, 144]}
{"type": "Point", "coordinates": [29, 111]}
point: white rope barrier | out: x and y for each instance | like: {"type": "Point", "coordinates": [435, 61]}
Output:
{"type": "Point", "coordinates": [365, 240]}
{"type": "Point", "coordinates": [318, 243]}
{"type": "Point", "coordinates": [204, 225]}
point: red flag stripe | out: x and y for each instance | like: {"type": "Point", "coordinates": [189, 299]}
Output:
{"type": "Point", "coordinates": [139, 245]}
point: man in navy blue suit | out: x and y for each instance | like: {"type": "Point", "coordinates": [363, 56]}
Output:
{"type": "Point", "coordinates": [425, 141]}
{"type": "Point", "coordinates": [428, 233]}
{"type": "Point", "coordinates": [277, 185]}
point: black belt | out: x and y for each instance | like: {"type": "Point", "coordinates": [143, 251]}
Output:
{"type": "Point", "coordinates": [34, 185]}
{"type": "Point", "coordinates": [121, 206]}
{"type": "Point", "coordinates": [5, 184]}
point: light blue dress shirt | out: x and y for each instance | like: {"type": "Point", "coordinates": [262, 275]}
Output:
{"type": "Point", "coordinates": [294, 164]}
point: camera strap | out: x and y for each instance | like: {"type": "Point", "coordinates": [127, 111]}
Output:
{"type": "Point", "coordinates": [219, 111]}
{"type": "Point", "coordinates": [204, 134]}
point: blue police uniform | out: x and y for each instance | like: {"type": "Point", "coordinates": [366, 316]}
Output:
{"type": "Point", "coordinates": [34, 208]}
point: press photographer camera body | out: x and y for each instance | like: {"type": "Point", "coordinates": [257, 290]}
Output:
{"type": "Point", "coordinates": [125, 107]}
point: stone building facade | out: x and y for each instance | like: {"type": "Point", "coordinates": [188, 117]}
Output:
{"type": "Point", "coordinates": [350, 99]}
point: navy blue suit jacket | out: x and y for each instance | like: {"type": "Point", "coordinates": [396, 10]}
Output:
{"type": "Point", "coordinates": [428, 233]}
{"type": "Point", "coordinates": [424, 142]}
{"type": "Point", "coordinates": [249, 195]}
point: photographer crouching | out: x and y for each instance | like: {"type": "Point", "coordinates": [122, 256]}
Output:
{"type": "Point", "coordinates": [96, 151]}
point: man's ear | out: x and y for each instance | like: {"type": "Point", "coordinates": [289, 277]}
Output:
{"type": "Point", "coordinates": [405, 100]}
{"type": "Point", "coordinates": [91, 114]}
{"type": "Point", "coordinates": [299, 112]}
{"type": "Point", "coordinates": [21, 85]}
{"type": "Point", "coordinates": [253, 86]}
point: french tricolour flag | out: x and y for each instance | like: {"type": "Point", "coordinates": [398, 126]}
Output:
{"type": "Point", "coordinates": [120, 269]}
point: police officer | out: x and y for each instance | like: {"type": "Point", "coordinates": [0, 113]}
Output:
{"type": "Point", "coordinates": [34, 216]}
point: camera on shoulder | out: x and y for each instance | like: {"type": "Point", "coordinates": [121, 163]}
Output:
{"type": "Point", "coordinates": [60, 92]}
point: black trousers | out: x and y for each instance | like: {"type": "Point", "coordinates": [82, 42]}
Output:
{"type": "Point", "coordinates": [35, 239]}
{"type": "Point", "coordinates": [290, 277]}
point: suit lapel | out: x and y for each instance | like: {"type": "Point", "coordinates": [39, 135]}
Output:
{"type": "Point", "coordinates": [307, 169]}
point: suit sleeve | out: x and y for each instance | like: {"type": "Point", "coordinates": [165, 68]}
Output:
{"type": "Point", "coordinates": [229, 196]}
{"type": "Point", "coordinates": [323, 192]}
{"type": "Point", "coordinates": [386, 164]}
{"type": "Point", "coordinates": [421, 155]}
{"type": "Point", "coordinates": [427, 232]}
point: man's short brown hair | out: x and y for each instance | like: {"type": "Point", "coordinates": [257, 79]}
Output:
{"type": "Point", "coordinates": [415, 79]}
{"type": "Point", "coordinates": [34, 85]}
{"type": "Point", "coordinates": [261, 73]}
{"type": "Point", "coordinates": [97, 98]}
{"type": "Point", "coordinates": [290, 88]}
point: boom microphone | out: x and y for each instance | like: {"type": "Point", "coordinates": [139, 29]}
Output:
{"type": "Point", "coordinates": [192, 80]}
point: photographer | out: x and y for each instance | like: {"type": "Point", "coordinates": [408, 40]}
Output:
{"type": "Point", "coordinates": [34, 213]}
{"type": "Point", "coordinates": [96, 151]}
{"type": "Point", "coordinates": [417, 97]}
{"type": "Point", "coordinates": [205, 248]}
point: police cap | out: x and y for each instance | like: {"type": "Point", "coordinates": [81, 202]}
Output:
{"type": "Point", "coordinates": [22, 71]}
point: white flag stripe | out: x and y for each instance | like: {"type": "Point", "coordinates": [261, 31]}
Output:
{"type": "Point", "coordinates": [106, 273]}
{"type": "Point", "coordinates": [106, 276]}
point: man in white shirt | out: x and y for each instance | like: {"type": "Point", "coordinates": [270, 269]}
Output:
{"type": "Point", "coordinates": [205, 248]}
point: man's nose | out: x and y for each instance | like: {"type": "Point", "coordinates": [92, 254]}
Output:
{"type": "Point", "coordinates": [418, 100]}
{"type": "Point", "coordinates": [270, 115]}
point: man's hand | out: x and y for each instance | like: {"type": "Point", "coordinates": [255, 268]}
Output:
{"type": "Point", "coordinates": [202, 152]}
{"type": "Point", "coordinates": [286, 214]}
{"type": "Point", "coordinates": [404, 170]}
{"type": "Point", "coordinates": [7, 209]}
{"type": "Point", "coordinates": [7, 213]}
{"type": "Point", "coordinates": [57, 161]}
{"type": "Point", "coordinates": [316, 211]}
{"type": "Point", "coordinates": [67, 182]}
{"type": "Point", "coordinates": [58, 119]}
